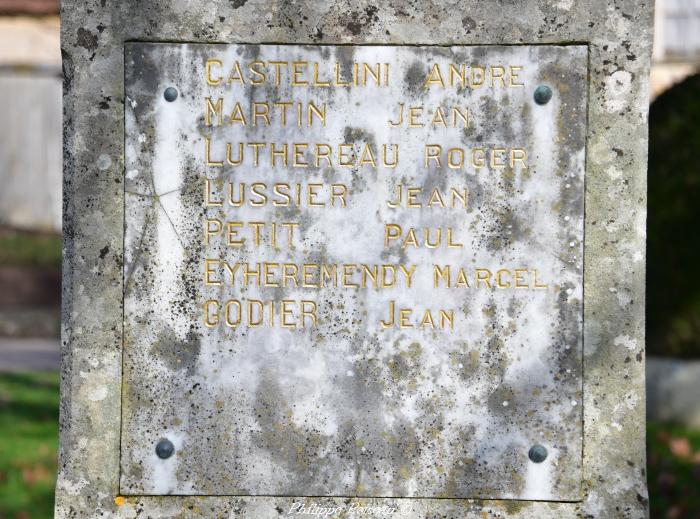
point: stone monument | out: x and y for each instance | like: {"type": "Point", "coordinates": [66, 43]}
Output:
{"type": "Point", "coordinates": [351, 260]}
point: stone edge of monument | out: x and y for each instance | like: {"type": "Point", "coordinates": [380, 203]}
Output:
{"type": "Point", "coordinates": [619, 39]}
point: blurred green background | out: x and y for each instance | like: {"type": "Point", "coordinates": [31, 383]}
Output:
{"type": "Point", "coordinates": [29, 425]}
{"type": "Point", "coordinates": [673, 224]}
{"type": "Point", "coordinates": [673, 287]}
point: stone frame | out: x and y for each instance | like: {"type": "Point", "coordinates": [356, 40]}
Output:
{"type": "Point", "coordinates": [618, 34]}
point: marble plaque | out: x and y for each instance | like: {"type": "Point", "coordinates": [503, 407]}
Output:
{"type": "Point", "coordinates": [353, 271]}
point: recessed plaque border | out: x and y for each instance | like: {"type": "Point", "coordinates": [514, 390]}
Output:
{"type": "Point", "coordinates": [389, 45]}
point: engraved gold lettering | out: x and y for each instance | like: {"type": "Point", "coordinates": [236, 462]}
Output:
{"type": "Point", "coordinates": [258, 71]}
{"type": "Point", "coordinates": [209, 321]}
{"type": "Point", "coordinates": [209, 272]}
{"type": "Point", "coordinates": [215, 109]}
{"type": "Point", "coordinates": [212, 227]}
{"type": "Point", "coordinates": [207, 154]}
{"type": "Point", "coordinates": [208, 65]}
{"type": "Point", "coordinates": [236, 76]}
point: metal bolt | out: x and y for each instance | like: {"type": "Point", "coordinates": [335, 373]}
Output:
{"type": "Point", "coordinates": [542, 94]}
{"type": "Point", "coordinates": [537, 453]}
{"type": "Point", "coordinates": [170, 94]}
{"type": "Point", "coordinates": [165, 449]}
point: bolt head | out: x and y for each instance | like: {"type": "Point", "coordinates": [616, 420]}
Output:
{"type": "Point", "coordinates": [542, 94]}
{"type": "Point", "coordinates": [165, 449]}
{"type": "Point", "coordinates": [170, 94]}
{"type": "Point", "coordinates": [537, 453]}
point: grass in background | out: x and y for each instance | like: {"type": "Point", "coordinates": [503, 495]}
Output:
{"type": "Point", "coordinates": [673, 460]}
{"type": "Point", "coordinates": [28, 444]}
{"type": "Point", "coordinates": [29, 249]}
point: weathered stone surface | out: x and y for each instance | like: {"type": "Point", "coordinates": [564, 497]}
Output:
{"type": "Point", "coordinates": [341, 405]}
{"type": "Point", "coordinates": [618, 39]}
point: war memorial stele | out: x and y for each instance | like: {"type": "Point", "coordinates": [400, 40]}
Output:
{"type": "Point", "coordinates": [354, 260]}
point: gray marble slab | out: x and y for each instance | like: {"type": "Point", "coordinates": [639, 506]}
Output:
{"type": "Point", "coordinates": [337, 403]}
